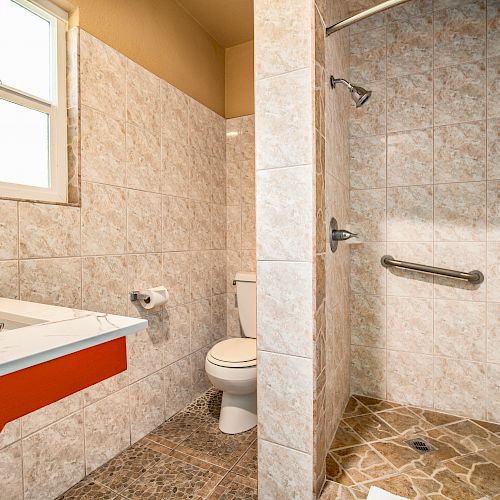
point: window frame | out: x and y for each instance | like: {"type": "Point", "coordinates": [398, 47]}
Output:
{"type": "Point", "coordinates": [55, 108]}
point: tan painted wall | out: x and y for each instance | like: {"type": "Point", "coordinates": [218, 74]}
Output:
{"type": "Point", "coordinates": [162, 37]}
{"type": "Point", "coordinates": [239, 80]}
{"type": "Point", "coordinates": [229, 22]}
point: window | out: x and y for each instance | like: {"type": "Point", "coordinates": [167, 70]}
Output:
{"type": "Point", "coordinates": [33, 155]}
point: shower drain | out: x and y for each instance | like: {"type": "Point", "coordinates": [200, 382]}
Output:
{"type": "Point", "coordinates": [421, 445]}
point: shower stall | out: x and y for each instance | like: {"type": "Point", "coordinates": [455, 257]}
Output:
{"type": "Point", "coordinates": [406, 158]}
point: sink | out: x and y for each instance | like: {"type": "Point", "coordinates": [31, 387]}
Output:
{"type": "Point", "coordinates": [49, 352]}
{"type": "Point", "coordinates": [14, 321]}
{"type": "Point", "coordinates": [34, 333]}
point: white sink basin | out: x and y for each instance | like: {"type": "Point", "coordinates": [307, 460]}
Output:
{"type": "Point", "coordinates": [14, 321]}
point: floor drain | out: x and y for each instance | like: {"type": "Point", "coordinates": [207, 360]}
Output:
{"type": "Point", "coordinates": [420, 445]}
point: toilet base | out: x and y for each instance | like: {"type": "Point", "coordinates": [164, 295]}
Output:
{"type": "Point", "coordinates": [238, 412]}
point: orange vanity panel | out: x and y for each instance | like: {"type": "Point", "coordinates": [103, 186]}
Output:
{"type": "Point", "coordinates": [31, 388]}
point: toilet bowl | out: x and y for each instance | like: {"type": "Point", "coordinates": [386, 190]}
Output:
{"type": "Point", "coordinates": [231, 364]}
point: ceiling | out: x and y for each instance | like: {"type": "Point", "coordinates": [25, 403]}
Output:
{"type": "Point", "coordinates": [229, 22]}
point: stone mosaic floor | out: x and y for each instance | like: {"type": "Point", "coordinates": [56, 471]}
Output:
{"type": "Point", "coordinates": [369, 449]}
{"type": "Point", "coordinates": [186, 457]}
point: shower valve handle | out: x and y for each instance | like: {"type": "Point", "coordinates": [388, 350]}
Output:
{"type": "Point", "coordinates": [336, 234]}
{"type": "Point", "coordinates": [342, 234]}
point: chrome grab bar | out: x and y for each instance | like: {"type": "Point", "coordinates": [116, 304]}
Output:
{"type": "Point", "coordinates": [474, 277]}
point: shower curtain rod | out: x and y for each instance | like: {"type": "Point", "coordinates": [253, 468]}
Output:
{"type": "Point", "coordinates": [363, 15]}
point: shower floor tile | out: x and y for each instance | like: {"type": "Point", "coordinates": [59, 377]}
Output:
{"type": "Point", "coordinates": [374, 404]}
{"type": "Point", "coordinates": [370, 427]}
{"type": "Point", "coordinates": [495, 428]}
{"type": "Point", "coordinates": [370, 449]}
{"type": "Point", "coordinates": [185, 457]}
{"type": "Point", "coordinates": [345, 437]}
{"type": "Point", "coordinates": [404, 421]}
{"type": "Point", "coordinates": [336, 491]}
{"type": "Point", "coordinates": [354, 408]}
{"type": "Point", "coordinates": [335, 473]}
{"type": "Point", "coordinates": [477, 471]}
{"type": "Point", "coordinates": [404, 458]}
{"type": "Point", "coordinates": [423, 484]}
{"type": "Point", "coordinates": [473, 436]}
{"type": "Point", "coordinates": [434, 418]}
{"type": "Point", "coordinates": [493, 455]}
{"type": "Point", "coordinates": [362, 463]}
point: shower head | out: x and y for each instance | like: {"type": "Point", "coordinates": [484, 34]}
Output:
{"type": "Point", "coordinates": [358, 94]}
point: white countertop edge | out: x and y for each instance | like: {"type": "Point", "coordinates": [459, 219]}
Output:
{"type": "Point", "coordinates": [56, 352]}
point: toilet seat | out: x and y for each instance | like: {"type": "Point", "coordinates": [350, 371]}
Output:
{"type": "Point", "coordinates": [234, 353]}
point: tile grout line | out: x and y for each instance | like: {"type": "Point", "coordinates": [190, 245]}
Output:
{"type": "Point", "coordinates": [127, 239]}
{"type": "Point", "coordinates": [433, 281]}
{"type": "Point", "coordinates": [487, 99]}
{"type": "Point", "coordinates": [386, 135]}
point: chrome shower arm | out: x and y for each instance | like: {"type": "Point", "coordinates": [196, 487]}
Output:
{"type": "Point", "coordinates": [358, 94]}
{"type": "Point", "coordinates": [334, 81]}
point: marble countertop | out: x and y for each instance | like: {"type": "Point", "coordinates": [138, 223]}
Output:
{"type": "Point", "coordinates": [58, 331]}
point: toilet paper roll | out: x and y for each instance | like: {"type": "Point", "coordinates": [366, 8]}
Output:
{"type": "Point", "coordinates": [155, 297]}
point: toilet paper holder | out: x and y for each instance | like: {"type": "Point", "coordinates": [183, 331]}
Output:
{"type": "Point", "coordinates": [151, 297]}
{"type": "Point", "coordinates": [136, 295]}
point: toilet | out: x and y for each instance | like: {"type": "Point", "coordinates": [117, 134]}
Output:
{"type": "Point", "coordinates": [231, 364]}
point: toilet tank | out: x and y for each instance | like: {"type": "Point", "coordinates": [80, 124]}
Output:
{"type": "Point", "coordinates": [246, 291]}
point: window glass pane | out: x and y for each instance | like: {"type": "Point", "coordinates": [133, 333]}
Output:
{"type": "Point", "coordinates": [24, 145]}
{"type": "Point", "coordinates": [25, 50]}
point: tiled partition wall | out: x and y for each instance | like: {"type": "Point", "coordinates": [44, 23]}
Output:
{"type": "Point", "coordinates": [320, 304]}
{"type": "Point", "coordinates": [332, 339]}
{"type": "Point", "coordinates": [152, 212]}
{"type": "Point", "coordinates": [285, 186]}
{"type": "Point", "coordinates": [334, 168]}
{"type": "Point", "coordinates": [240, 197]}
{"type": "Point", "coordinates": [425, 180]}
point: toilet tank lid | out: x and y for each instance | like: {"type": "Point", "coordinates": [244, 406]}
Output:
{"type": "Point", "coordinates": [244, 276]}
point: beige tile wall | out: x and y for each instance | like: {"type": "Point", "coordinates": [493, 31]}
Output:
{"type": "Point", "coordinates": [240, 200]}
{"type": "Point", "coordinates": [424, 188]}
{"type": "Point", "coordinates": [285, 183]}
{"type": "Point", "coordinates": [152, 212]}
